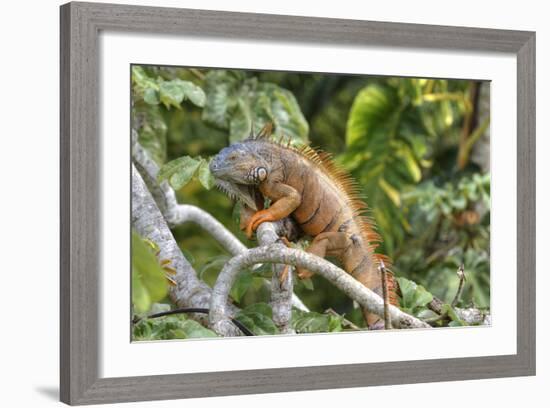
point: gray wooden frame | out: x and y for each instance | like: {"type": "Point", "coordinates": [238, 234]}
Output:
{"type": "Point", "coordinates": [80, 234]}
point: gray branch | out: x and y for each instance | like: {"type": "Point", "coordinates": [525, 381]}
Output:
{"type": "Point", "coordinates": [281, 291]}
{"type": "Point", "coordinates": [150, 223]}
{"type": "Point", "coordinates": [277, 253]}
{"type": "Point", "coordinates": [177, 214]}
{"type": "Point", "coordinates": [182, 213]}
{"type": "Point", "coordinates": [470, 316]}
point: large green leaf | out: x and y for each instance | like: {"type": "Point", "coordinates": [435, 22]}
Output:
{"type": "Point", "coordinates": [387, 143]}
{"type": "Point", "coordinates": [179, 171]}
{"type": "Point", "coordinates": [171, 93]}
{"type": "Point", "coordinates": [174, 92]}
{"type": "Point", "coordinates": [279, 106]}
{"type": "Point", "coordinates": [193, 329]}
{"type": "Point", "coordinates": [152, 129]}
{"type": "Point", "coordinates": [205, 177]}
{"type": "Point", "coordinates": [149, 283]}
{"type": "Point", "coordinates": [414, 297]}
{"type": "Point", "coordinates": [258, 318]}
{"type": "Point", "coordinates": [313, 322]}
{"type": "Point", "coordinates": [236, 102]}
{"type": "Point", "coordinates": [222, 87]}
{"type": "Point", "coordinates": [141, 81]}
{"type": "Point", "coordinates": [170, 327]}
{"type": "Point", "coordinates": [371, 109]}
{"type": "Point", "coordinates": [241, 285]}
{"type": "Point", "coordinates": [240, 124]}
{"type": "Point", "coordinates": [182, 170]}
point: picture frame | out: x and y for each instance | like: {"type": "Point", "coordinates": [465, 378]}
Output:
{"type": "Point", "coordinates": [80, 235]}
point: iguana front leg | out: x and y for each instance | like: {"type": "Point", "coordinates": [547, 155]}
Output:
{"type": "Point", "coordinates": [285, 200]}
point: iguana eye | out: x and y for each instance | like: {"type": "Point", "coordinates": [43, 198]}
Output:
{"type": "Point", "coordinates": [261, 173]}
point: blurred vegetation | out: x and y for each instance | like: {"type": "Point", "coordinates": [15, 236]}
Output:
{"type": "Point", "coordinates": [418, 148]}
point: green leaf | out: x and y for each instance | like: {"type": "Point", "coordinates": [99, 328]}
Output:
{"type": "Point", "coordinates": [258, 319]}
{"type": "Point", "coordinates": [241, 285]}
{"type": "Point", "coordinates": [262, 271]}
{"type": "Point", "coordinates": [235, 102]}
{"type": "Point", "coordinates": [414, 297]}
{"type": "Point", "coordinates": [143, 81]}
{"type": "Point", "coordinates": [140, 296]}
{"type": "Point", "coordinates": [148, 280]}
{"type": "Point", "coordinates": [193, 92]}
{"type": "Point", "coordinates": [371, 107]}
{"type": "Point", "coordinates": [221, 89]}
{"type": "Point", "coordinates": [455, 320]}
{"type": "Point", "coordinates": [313, 322]}
{"type": "Point", "coordinates": [422, 297]}
{"type": "Point", "coordinates": [379, 154]}
{"type": "Point", "coordinates": [170, 327]}
{"type": "Point", "coordinates": [179, 171]}
{"type": "Point", "coordinates": [308, 284]}
{"type": "Point", "coordinates": [193, 329]}
{"type": "Point", "coordinates": [410, 162]}
{"type": "Point", "coordinates": [173, 92]}
{"type": "Point", "coordinates": [335, 323]}
{"type": "Point", "coordinates": [241, 122]}
{"type": "Point", "coordinates": [205, 177]}
{"type": "Point", "coordinates": [151, 129]}
{"type": "Point", "coordinates": [211, 269]}
{"type": "Point", "coordinates": [274, 104]}
{"type": "Point", "coordinates": [151, 96]}
{"type": "Point", "coordinates": [459, 202]}
{"type": "Point", "coordinates": [391, 192]}
{"type": "Point", "coordinates": [261, 308]}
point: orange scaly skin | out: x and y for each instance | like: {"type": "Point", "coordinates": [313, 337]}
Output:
{"type": "Point", "coordinates": [323, 200]}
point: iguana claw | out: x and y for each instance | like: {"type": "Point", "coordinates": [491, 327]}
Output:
{"type": "Point", "coordinates": [256, 220]}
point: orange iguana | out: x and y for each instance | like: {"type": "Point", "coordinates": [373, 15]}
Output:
{"type": "Point", "coordinates": [308, 186]}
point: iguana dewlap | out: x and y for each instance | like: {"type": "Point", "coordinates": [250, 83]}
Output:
{"type": "Point", "coordinates": [306, 185]}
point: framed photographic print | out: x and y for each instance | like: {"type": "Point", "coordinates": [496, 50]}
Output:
{"type": "Point", "coordinates": [261, 203]}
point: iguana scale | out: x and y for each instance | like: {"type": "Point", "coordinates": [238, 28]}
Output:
{"type": "Point", "coordinates": [308, 186]}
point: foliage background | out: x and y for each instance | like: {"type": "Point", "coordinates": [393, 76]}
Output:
{"type": "Point", "coordinates": [418, 147]}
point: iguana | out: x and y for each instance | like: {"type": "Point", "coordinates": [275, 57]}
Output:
{"type": "Point", "coordinates": [308, 186]}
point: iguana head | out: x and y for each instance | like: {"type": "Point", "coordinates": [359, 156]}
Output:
{"type": "Point", "coordinates": [238, 169]}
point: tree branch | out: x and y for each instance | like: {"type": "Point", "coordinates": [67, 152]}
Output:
{"type": "Point", "coordinates": [383, 276]}
{"type": "Point", "coordinates": [470, 316]}
{"type": "Point", "coordinates": [177, 214]}
{"type": "Point", "coordinates": [281, 290]}
{"type": "Point", "coordinates": [182, 213]}
{"type": "Point", "coordinates": [277, 253]}
{"type": "Point", "coordinates": [149, 223]}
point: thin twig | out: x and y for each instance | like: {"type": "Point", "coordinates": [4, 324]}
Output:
{"type": "Point", "coordinates": [462, 279]}
{"type": "Point", "coordinates": [444, 315]}
{"type": "Point", "coordinates": [385, 296]}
